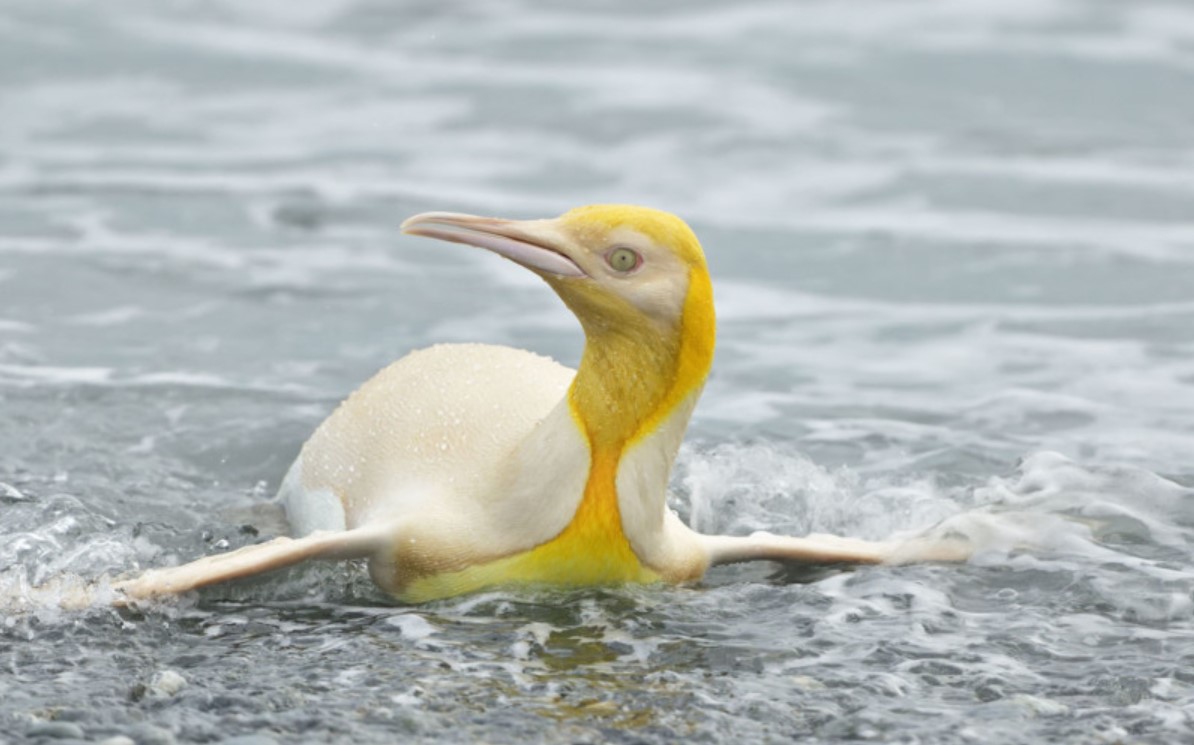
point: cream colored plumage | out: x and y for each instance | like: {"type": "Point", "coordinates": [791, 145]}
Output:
{"type": "Point", "coordinates": [466, 466]}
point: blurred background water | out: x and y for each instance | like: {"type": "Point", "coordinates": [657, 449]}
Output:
{"type": "Point", "coordinates": [953, 252]}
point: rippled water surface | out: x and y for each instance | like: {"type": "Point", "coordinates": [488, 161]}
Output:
{"type": "Point", "coordinates": [953, 252]}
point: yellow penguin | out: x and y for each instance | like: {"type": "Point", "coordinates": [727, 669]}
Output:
{"type": "Point", "coordinates": [467, 466]}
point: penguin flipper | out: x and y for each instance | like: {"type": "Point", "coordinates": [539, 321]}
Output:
{"type": "Point", "coordinates": [820, 548]}
{"type": "Point", "coordinates": [257, 559]}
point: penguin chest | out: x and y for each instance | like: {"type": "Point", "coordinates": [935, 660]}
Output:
{"type": "Point", "coordinates": [591, 550]}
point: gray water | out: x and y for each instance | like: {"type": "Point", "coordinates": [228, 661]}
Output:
{"type": "Point", "coordinates": [953, 252]}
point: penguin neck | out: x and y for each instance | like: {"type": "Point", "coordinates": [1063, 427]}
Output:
{"type": "Point", "coordinates": [634, 376]}
{"type": "Point", "coordinates": [633, 393]}
{"type": "Point", "coordinates": [623, 385]}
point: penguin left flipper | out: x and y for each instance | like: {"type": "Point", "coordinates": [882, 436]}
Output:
{"type": "Point", "coordinates": [278, 553]}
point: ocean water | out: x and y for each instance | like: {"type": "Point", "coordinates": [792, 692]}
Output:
{"type": "Point", "coordinates": [953, 254]}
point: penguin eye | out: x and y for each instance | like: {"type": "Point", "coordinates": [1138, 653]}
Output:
{"type": "Point", "coordinates": [624, 259]}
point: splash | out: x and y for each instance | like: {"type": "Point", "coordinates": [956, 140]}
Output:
{"type": "Point", "coordinates": [1125, 531]}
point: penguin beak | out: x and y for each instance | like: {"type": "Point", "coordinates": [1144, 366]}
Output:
{"type": "Point", "coordinates": [534, 244]}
